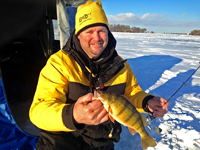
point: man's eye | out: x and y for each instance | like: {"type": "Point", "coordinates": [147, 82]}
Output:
{"type": "Point", "coordinates": [104, 31]}
{"type": "Point", "coordinates": [89, 32]}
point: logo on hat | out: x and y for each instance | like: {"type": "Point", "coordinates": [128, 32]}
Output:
{"type": "Point", "coordinates": [84, 18]}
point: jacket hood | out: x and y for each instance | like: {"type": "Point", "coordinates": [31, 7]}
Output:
{"type": "Point", "coordinates": [74, 49]}
{"type": "Point", "coordinates": [108, 63]}
{"type": "Point", "coordinates": [74, 45]}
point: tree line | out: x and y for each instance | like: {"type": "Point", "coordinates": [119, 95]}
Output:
{"type": "Point", "coordinates": [126, 28]}
{"type": "Point", "coordinates": [195, 32]}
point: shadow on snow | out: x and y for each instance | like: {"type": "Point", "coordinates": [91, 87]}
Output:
{"type": "Point", "coordinates": [148, 70]}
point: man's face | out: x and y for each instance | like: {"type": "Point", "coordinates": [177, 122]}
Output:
{"type": "Point", "coordinates": [94, 40]}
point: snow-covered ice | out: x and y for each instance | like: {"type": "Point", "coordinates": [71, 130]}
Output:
{"type": "Point", "coordinates": [161, 63]}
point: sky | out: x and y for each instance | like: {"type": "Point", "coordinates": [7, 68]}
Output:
{"type": "Point", "coordinates": [163, 16]}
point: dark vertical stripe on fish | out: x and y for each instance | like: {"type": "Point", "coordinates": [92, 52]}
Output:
{"type": "Point", "coordinates": [140, 124]}
{"type": "Point", "coordinates": [122, 109]}
{"type": "Point", "coordinates": [132, 117]}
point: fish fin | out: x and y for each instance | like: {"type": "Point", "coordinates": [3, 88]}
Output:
{"type": "Point", "coordinates": [109, 110]}
{"type": "Point", "coordinates": [144, 120]}
{"type": "Point", "coordinates": [132, 131]}
{"type": "Point", "coordinates": [127, 98]}
{"type": "Point", "coordinates": [110, 116]}
{"type": "Point", "coordinates": [148, 142]}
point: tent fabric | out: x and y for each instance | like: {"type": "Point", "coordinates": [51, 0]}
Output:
{"type": "Point", "coordinates": [11, 137]}
{"type": "Point", "coordinates": [23, 16]}
{"type": "Point", "coordinates": [66, 11]}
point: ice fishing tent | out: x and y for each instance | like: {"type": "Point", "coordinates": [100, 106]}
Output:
{"type": "Point", "coordinates": [26, 42]}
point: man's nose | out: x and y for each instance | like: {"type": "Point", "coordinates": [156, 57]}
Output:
{"type": "Point", "coordinates": [96, 36]}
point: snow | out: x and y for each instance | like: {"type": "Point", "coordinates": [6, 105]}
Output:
{"type": "Point", "coordinates": [161, 63]}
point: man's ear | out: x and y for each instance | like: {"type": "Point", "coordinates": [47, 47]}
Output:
{"type": "Point", "coordinates": [79, 37]}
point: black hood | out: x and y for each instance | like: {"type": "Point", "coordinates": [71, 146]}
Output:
{"type": "Point", "coordinates": [73, 44]}
{"type": "Point", "coordinates": [105, 67]}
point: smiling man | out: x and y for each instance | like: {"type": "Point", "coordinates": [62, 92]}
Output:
{"type": "Point", "coordinates": [94, 40]}
{"type": "Point", "coordinates": [63, 108]}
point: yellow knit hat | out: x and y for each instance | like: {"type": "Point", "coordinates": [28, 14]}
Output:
{"type": "Point", "coordinates": [88, 15]}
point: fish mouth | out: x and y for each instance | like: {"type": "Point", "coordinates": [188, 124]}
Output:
{"type": "Point", "coordinates": [96, 95]}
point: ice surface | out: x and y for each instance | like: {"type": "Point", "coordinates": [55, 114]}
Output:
{"type": "Point", "coordinates": [161, 63]}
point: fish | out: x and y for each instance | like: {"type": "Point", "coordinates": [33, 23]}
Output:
{"type": "Point", "coordinates": [120, 108]}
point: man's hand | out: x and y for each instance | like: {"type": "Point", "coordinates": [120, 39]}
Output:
{"type": "Point", "coordinates": [88, 111]}
{"type": "Point", "coordinates": [158, 106]}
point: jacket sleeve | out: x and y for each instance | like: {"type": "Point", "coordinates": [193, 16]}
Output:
{"type": "Point", "coordinates": [138, 97]}
{"type": "Point", "coordinates": [49, 101]}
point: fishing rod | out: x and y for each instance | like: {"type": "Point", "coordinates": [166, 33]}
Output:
{"type": "Point", "coordinates": [151, 117]}
{"type": "Point", "coordinates": [183, 84]}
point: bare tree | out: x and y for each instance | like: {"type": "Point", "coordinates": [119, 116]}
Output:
{"type": "Point", "coordinates": [195, 32]}
{"type": "Point", "coordinates": [126, 28]}
{"type": "Point", "coordinates": [143, 30]}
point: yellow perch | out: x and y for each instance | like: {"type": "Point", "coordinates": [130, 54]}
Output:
{"type": "Point", "coordinates": [121, 110]}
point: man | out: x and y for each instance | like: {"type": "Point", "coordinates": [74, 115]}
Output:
{"type": "Point", "coordinates": [63, 108]}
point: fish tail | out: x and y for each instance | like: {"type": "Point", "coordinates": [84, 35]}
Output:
{"type": "Point", "coordinates": [148, 142]}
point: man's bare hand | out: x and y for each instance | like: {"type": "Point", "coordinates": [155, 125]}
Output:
{"type": "Point", "coordinates": [158, 106]}
{"type": "Point", "coordinates": [88, 111]}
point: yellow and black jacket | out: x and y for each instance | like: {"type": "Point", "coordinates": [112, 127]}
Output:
{"type": "Point", "coordinates": [70, 74]}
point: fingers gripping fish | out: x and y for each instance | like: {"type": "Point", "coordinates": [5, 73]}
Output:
{"type": "Point", "coordinates": [121, 110]}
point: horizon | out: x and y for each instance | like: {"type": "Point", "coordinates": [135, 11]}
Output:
{"type": "Point", "coordinates": [160, 16]}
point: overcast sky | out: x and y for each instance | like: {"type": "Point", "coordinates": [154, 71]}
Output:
{"type": "Point", "coordinates": [175, 16]}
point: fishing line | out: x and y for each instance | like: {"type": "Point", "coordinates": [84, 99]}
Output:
{"type": "Point", "coordinates": [183, 83]}
{"type": "Point", "coordinates": [150, 117]}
